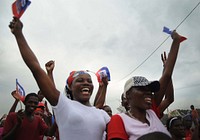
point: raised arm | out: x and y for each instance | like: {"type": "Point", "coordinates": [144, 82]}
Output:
{"type": "Point", "coordinates": [49, 68]}
{"type": "Point", "coordinates": [44, 82]}
{"type": "Point", "coordinates": [169, 93]}
{"type": "Point", "coordinates": [101, 94]}
{"type": "Point", "coordinates": [14, 106]}
{"type": "Point", "coordinates": [169, 67]}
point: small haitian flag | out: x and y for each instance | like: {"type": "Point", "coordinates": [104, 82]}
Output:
{"type": "Point", "coordinates": [103, 72]}
{"type": "Point", "coordinates": [19, 7]}
{"type": "Point", "coordinates": [168, 31]}
{"type": "Point", "coordinates": [20, 92]}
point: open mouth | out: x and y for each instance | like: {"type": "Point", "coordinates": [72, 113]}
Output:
{"type": "Point", "coordinates": [85, 91]}
{"type": "Point", "coordinates": [148, 100]}
{"type": "Point", "coordinates": [32, 108]}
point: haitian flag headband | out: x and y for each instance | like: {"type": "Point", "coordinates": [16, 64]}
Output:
{"type": "Point", "coordinates": [168, 31]}
{"type": "Point", "coordinates": [19, 7]}
{"type": "Point", "coordinates": [73, 75]}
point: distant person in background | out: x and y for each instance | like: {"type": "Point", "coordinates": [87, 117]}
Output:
{"type": "Point", "coordinates": [39, 112]}
{"type": "Point", "coordinates": [187, 122]}
{"type": "Point", "coordinates": [107, 109]}
{"type": "Point", "coordinates": [176, 128]}
{"type": "Point", "coordinates": [23, 125]}
{"type": "Point", "coordinates": [12, 109]}
{"type": "Point", "coordinates": [194, 113]}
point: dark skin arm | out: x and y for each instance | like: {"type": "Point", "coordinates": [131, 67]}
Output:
{"type": "Point", "coordinates": [169, 94]}
{"type": "Point", "coordinates": [14, 106]}
{"type": "Point", "coordinates": [101, 94]}
{"type": "Point", "coordinates": [98, 93]}
{"type": "Point", "coordinates": [169, 67]}
{"type": "Point", "coordinates": [44, 82]}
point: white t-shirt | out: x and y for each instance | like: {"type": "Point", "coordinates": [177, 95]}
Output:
{"type": "Point", "coordinates": [79, 122]}
{"type": "Point", "coordinates": [135, 128]}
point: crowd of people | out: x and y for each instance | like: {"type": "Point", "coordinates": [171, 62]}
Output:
{"type": "Point", "coordinates": [74, 117]}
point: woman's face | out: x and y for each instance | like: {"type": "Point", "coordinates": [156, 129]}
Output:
{"type": "Point", "coordinates": [82, 88]}
{"type": "Point", "coordinates": [140, 98]}
{"type": "Point", "coordinates": [177, 129]}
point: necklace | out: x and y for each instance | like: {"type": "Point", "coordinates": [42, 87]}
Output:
{"type": "Point", "coordinates": [130, 114]}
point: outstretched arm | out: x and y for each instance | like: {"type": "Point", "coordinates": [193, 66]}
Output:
{"type": "Point", "coordinates": [169, 67]}
{"type": "Point", "coordinates": [101, 94]}
{"type": "Point", "coordinates": [169, 94]}
{"type": "Point", "coordinates": [44, 82]}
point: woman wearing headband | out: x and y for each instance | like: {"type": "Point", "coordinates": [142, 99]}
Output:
{"type": "Point", "coordinates": [76, 119]}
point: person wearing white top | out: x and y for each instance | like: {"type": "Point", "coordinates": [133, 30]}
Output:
{"type": "Point", "coordinates": [76, 119]}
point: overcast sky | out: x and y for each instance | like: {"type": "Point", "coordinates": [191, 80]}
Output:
{"type": "Point", "coordinates": [90, 34]}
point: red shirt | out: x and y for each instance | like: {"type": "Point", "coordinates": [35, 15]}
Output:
{"type": "Point", "coordinates": [156, 109]}
{"type": "Point", "coordinates": [188, 135]}
{"type": "Point", "coordinates": [29, 130]}
{"type": "Point", "coordinates": [116, 128]}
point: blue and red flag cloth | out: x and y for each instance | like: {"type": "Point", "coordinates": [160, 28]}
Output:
{"type": "Point", "coordinates": [168, 31]}
{"type": "Point", "coordinates": [20, 90]}
{"type": "Point", "coordinates": [103, 72]}
{"type": "Point", "coordinates": [19, 7]}
{"type": "Point", "coordinates": [72, 76]}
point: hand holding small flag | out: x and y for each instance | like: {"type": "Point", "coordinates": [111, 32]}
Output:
{"type": "Point", "coordinates": [103, 72]}
{"type": "Point", "coordinates": [168, 31]}
{"type": "Point", "coordinates": [19, 7]}
{"type": "Point", "coordinates": [16, 95]}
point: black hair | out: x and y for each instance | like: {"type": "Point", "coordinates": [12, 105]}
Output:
{"type": "Point", "coordinates": [68, 93]}
{"type": "Point", "coordinates": [29, 95]}
{"type": "Point", "coordinates": [170, 121]}
{"type": "Point", "coordinates": [105, 106]}
{"type": "Point", "coordinates": [155, 136]}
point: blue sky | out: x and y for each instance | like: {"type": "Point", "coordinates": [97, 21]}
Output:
{"type": "Point", "coordinates": [91, 34]}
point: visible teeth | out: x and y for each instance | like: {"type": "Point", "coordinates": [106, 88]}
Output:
{"type": "Point", "coordinates": [148, 100]}
{"type": "Point", "coordinates": [85, 89]}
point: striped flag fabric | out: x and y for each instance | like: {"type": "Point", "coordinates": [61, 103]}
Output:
{"type": "Point", "coordinates": [20, 90]}
{"type": "Point", "coordinates": [168, 31]}
{"type": "Point", "coordinates": [19, 7]}
{"type": "Point", "coordinates": [103, 72]}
